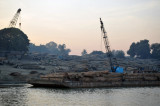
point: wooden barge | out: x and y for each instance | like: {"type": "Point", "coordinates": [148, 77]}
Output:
{"type": "Point", "coordinates": [96, 79]}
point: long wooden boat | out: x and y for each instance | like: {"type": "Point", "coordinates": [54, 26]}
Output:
{"type": "Point", "coordinates": [96, 79]}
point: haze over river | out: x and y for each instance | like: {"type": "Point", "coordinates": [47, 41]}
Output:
{"type": "Point", "coordinates": [28, 96]}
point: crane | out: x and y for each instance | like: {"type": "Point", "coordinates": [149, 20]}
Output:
{"type": "Point", "coordinates": [113, 62]}
{"type": "Point", "coordinates": [15, 18]}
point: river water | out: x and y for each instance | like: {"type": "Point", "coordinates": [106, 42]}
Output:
{"type": "Point", "coordinates": [29, 96]}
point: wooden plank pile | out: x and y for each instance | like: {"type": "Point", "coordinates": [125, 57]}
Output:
{"type": "Point", "coordinates": [91, 76]}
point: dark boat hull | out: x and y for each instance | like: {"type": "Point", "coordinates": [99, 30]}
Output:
{"type": "Point", "coordinates": [78, 84]}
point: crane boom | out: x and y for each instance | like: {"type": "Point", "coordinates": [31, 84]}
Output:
{"type": "Point", "coordinates": [106, 42]}
{"type": "Point", "coordinates": [113, 64]}
{"type": "Point", "coordinates": [15, 18]}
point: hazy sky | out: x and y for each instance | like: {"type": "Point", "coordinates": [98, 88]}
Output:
{"type": "Point", "coordinates": [76, 22]}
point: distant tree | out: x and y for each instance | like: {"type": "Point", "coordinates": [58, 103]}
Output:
{"type": "Point", "coordinates": [42, 49]}
{"type": "Point", "coordinates": [39, 49]}
{"type": "Point", "coordinates": [132, 51]}
{"type": "Point", "coordinates": [155, 50]}
{"type": "Point", "coordinates": [118, 53]}
{"type": "Point", "coordinates": [143, 49]}
{"type": "Point", "coordinates": [63, 51]}
{"type": "Point", "coordinates": [140, 49]}
{"type": "Point", "coordinates": [52, 47]}
{"type": "Point", "coordinates": [32, 47]}
{"type": "Point", "coordinates": [97, 53]}
{"type": "Point", "coordinates": [84, 52]}
{"type": "Point", "coordinates": [13, 39]}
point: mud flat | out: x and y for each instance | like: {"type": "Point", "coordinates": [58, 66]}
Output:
{"type": "Point", "coordinates": [75, 69]}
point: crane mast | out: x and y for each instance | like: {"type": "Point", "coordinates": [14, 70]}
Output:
{"type": "Point", "coordinates": [15, 18]}
{"type": "Point", "coordinates": [114, 64]}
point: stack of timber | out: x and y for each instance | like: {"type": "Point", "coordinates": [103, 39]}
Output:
{"type": "Point", "coordinates": [96, 79]}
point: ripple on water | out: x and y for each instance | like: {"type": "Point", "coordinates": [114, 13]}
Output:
{"type": "Point", "coordinates": [25, 96]}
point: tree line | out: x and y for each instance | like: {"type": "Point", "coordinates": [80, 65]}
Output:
{"type": "Point", "coordinates": [144, 50]}
{"type": "Point", "coordinates": [13, 39]}
{"type": "Point", "coordinates": [114, 53]}
{"type": "Point", "coordinates": [141, 49]}
{"type": "Point", "coordinates": [50, 48]}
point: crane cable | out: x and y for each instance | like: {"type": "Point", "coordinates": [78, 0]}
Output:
{"type": "Point", "coordinates": [19, 21]}
{"type": "Point", "coordinates": [101, 41]}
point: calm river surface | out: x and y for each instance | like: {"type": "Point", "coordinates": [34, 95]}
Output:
{"type": "Point", "coordinates": [28, 96]}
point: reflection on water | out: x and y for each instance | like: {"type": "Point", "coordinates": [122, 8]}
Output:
{"type": "Point", "coordinates": [25, 96]}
